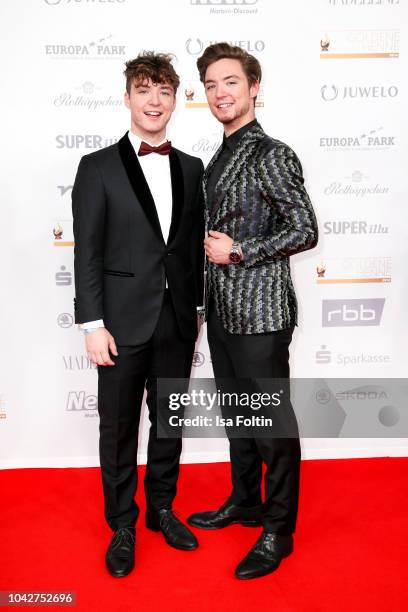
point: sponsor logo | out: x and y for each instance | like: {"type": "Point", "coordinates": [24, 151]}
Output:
{"type": "Point", "coordinates": [373, 140]}
{"type": "Point", "coordinates": [362, 92]}
{"type": "Point", "coordinates": [63, 233]}
{"type": "Point", "coordinates": [363, 2]}
{"type": "Point", "coordinates": [357, 186]}
{"type": "Point", "coordinates": [3, 412]}
{"type": "Point", "coordinates": [63, 278]}
{"type": "Point", "coordinates": [86, 97]}
{"type": "Point", "coordinates": [78, 362]}
{"type": "Point", "coordinates": [79, 401]}
{"type": "Point", "coordinates": [198, 359]}
{"type": "Point", "coordinates": [63, 189]}
{"type": "Point", "coordinates": [195, 46]}
{"type": "Point", "coordinates": [207, 145]}
{"type": "Point", "coordinates": [352, 313]}
{"type": "Point", "coordinates": [65, 320]}
{"type": "Point", "coordinates": [354, 270]}
{"type": "Point", "coordinates": [82, 2]}
{"type": "Point", "coordinates": [102, 48]}
{"type": "Point", "coordinates": [83, 141]}
{"type": "Point", "coordinates": [229, 7]}
{"type": "Point", "coordinates": [356, 227]}
{"type": "Point", "coordinates": [324, 356]}
{"type": "Point", "coordinates": [360, 44]}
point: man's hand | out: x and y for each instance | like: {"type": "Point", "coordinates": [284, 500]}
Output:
{"type": "Point", "coordinates": [98, 344]}
{"type": "Point", "coordinates": [217, 247]}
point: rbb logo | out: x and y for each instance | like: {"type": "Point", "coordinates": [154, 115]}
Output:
{"type": "Point", "coordinates": [352, 313]}
{"type": "Point", "coordinates": [78, 401]}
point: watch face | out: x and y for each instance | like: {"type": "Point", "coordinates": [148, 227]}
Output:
{"type": "Point", "coordinates": [235, 257]}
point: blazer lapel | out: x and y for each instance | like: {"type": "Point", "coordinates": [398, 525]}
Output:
{"type": "Point", "coordinates": [139, 183]}
{"type": "Point", "coordinates": [234, 167]}
{"type": "Point", "coordinates": [177, 189]}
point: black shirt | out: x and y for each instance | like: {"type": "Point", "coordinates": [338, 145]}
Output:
{"type": "Point", "coordinates": [228, 146]}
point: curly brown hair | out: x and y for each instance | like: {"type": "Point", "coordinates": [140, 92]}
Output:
{"type": "Point", "coordinates": [150, 65]}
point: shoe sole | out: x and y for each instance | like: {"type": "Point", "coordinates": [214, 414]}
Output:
{"type": "Point", "coordinates": [261, 575]}
{"type": "Point", "coordinates": [243, 523]}
{"type": "Point", "coordinates": [121, 574]}
{"type": "Point", "coordinates": [156, 529]}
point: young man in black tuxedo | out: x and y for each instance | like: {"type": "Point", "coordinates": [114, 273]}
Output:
{"type": "Point", "coordinates": [257, 214]}
{"type": "Point", "coordinates": [138, 227]}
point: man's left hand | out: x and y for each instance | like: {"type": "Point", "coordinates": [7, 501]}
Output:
{"type": "Point", "coordinates": [218, 247]}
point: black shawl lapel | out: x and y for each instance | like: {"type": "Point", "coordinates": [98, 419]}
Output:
{"type": "Point", "coordinates": [177, 189]}
{"type": "Point", "coordinates": [139, 183]}
{"type": "Point", "coordinates": [235, 166]}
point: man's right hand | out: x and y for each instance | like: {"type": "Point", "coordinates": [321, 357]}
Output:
{"type": "Point", "coordinates": [98, 344]}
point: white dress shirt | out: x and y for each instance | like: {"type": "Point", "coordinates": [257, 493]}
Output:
{"type": "Point", "coordinates": [156, 169]}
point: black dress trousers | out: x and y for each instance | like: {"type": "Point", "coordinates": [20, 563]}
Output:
{"type": "Point", "coordinates": [120, 395]}
{"type": "Point", "coordinates": [259, 356]}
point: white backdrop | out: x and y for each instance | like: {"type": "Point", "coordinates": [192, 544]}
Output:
{"type": "Point", "coordinates": [333, 88]}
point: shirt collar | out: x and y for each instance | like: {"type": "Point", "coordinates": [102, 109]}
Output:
{"type": "Point", "coordinates": [232, 141]}
{"type": "Point", "coordinates": [136, 141]}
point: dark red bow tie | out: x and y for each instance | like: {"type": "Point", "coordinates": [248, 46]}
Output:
{"type": "Point", "coordinates": [163, 149]}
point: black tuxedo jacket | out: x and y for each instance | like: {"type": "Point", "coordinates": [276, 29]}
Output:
{"type": "Point", "coordinates": [121, 258]}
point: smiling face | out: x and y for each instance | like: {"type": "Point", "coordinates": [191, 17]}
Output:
{"type": "Point", "coordinates": [151, 106]}
{"type": "Point", "coordinates": [230, 98]}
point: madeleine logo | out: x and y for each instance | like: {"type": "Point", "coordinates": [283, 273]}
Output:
{"type": "Point", "coordinates": [360, 44]}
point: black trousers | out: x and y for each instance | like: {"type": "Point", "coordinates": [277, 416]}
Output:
{"type": "Point", "coordinates": [120, 395]}
{"type": "Point", "coordinates": [259, 356]}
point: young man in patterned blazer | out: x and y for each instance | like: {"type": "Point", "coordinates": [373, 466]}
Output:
{"type": "Point", "coordinates": [257, 214]}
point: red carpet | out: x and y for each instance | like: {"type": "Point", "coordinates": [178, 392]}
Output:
{"type": "Point", "coordinates": [351, 545]}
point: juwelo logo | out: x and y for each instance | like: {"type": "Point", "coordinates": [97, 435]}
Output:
{"type": "Point", "coordinates": [352, 313]}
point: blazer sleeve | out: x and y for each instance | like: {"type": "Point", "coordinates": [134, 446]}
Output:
{"type": "Point", "coordinates": [198, 239]}
{"type": "Point", "coordinates": [283, 188]}
{"type": "Point", "coordinates": [88, 210]}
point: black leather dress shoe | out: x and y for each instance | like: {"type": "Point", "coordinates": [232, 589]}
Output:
{"type": "Point", "coordinates": [120, 556]}
{"type": "Point", "coordinates": [265, 557]}
{"type": "Point", "coordinates": [175, 533]}
{"type": "Point", "coordinates": [228, 514]}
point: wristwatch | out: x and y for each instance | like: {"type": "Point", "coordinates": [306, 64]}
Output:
{"type": "Point", "coordinates": [235, 253]}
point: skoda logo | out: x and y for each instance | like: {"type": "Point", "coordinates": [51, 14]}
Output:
{"type": "Point", "coordinates": [323, 396]}
{"type": "Point", "coordinates": [65, 320]}
{"type": "Point", "coordinates": [329, 93]}
{"type": "Point", "coordinates": [198, 359]}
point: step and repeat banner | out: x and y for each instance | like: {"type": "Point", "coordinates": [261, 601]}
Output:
{"type": "Point", "coordinates": [334, 88]}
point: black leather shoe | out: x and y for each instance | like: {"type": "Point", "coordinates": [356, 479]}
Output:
{"type": "Point", "coordinates": [175, 533]}
{"type": "Point", "coordinates": [228, 514]}
{"type": "Point", "coordinates": [265, 557]}
{"type": "Point", "coordinates": [120, 556]}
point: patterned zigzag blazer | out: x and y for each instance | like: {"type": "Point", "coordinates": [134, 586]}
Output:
{"type": "Point", "coordinates": [260, 201]}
